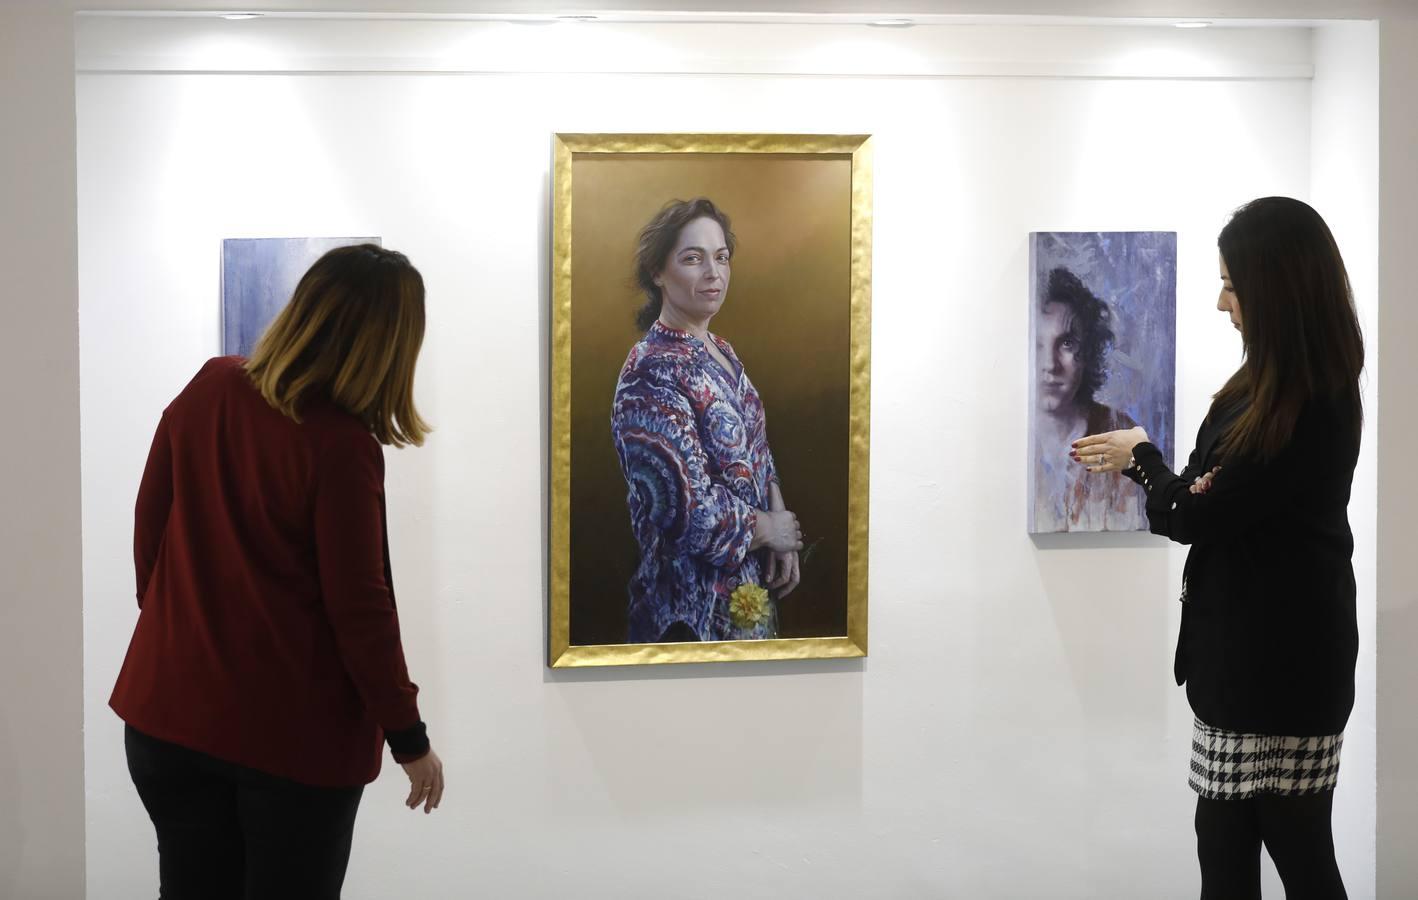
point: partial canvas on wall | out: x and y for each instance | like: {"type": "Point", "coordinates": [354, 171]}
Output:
{"type": "Point", "coordinates": [258, 277]}
{"type": "Point", "coordinates": [1103, 329]}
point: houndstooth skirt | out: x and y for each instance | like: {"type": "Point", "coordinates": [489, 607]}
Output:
{"type": "Point", "coordinates": [1230, 765]}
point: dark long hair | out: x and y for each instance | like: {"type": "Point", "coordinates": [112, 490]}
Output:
{"type": "Point", "coordinates": [657, 241]}
{"type": "Point", "coordinates": [1298, 324]}
{"type": "Point", "coordinates": [1091, 318]}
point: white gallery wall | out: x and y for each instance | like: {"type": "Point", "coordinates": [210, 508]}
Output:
{"type": "Point", "coordinates": [1015, 731]}
{"type": "Point", "coordinates": [1344, 181]}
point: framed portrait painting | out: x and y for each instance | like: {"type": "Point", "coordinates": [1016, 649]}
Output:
{"type": "Point", "coordinates": [710, 375]}
{"type": "Point", "coordinates": [1103, 331]}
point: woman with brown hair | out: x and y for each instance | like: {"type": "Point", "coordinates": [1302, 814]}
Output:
{"type": "Point", "coordinates": [1269, 634]}
{"type": "Point", "coordinates": [706, 506]}
{"type": "Point", "coordinates": [266, 668]}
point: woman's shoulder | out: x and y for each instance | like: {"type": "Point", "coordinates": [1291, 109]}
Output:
{"type": "Point", "coordinates": [220, 374]}
{"type": "Point", "coordinates": [1329, 422]}
{"type": "Point", "coordinates": [329, 423]}
{"type": "Point", "coordinates": [656, 360]}
{"type": "Point", "coordinates": [723, 344]}
{"type": "Point", "coordinates": [223, 369]}
{"type": "Point", "coordinates": [1324, 431]}
{"type": "Point", "coordinates": [322, 414]}
{"type": "Point", "coordinates": [320, 418]}
{"type": "Point", "coordinates": [1328, 409]}
{"type": "Point", "coordinates": [224, 364]}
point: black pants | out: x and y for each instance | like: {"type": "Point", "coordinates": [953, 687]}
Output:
{"type": "Point", "coordinates": [231, 833]}
{"type": "Point", "coordinates": [1295, 831]}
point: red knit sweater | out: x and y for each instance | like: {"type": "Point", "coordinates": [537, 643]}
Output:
{"type": "Point", "coordinates": [267, 634]}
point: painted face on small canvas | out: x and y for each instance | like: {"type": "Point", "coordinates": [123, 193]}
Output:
{"type": "Point", "coordinates": [695, 278]}
{"type": "Point", "coordinates": [1060, 363]}
{"type": "Point", "coordinates": [1227, 301]}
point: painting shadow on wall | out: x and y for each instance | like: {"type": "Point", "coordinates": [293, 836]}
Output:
{"type": "Point", "coordinates": [785, 744]}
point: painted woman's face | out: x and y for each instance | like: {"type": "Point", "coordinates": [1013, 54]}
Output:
{"type": "Point", "coordinates": [1060, 364]}
{"type": "Point", "coordinates": [695, 278]}
{"type": "Point", "coordinates": [1227, 301]}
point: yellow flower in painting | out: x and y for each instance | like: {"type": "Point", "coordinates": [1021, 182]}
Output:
{"type": "Point", "coordinates": [749, 606]}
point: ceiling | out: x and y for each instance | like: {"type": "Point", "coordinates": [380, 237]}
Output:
{"type": "Point", "coordinates": [1213, 9]}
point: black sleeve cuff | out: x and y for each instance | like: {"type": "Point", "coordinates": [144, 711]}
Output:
{"type": "Point", "coordinates": [1149, 467]}
{"type": "Point", "coordinates": [1160, 482]}
{"type": "Point", "coordinates": [408, 744]}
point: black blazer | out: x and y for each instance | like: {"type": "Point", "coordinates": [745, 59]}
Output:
{"type": "Point", "coordinates": [1269, 636]}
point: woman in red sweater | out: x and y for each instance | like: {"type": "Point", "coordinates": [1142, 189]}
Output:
{"type": "Point", "coordinates": [266, 669]}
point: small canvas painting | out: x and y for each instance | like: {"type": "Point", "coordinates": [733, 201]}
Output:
{"type": "Point", "coordinates": [258, 277]}
{"type": "Point", "coordinates": [1103, 333]}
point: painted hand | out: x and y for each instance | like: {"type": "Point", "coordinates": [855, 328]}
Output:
{"type": "Point", "coordinates": [782, 573]}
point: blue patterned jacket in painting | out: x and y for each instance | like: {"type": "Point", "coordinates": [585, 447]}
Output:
{"type": "Point", "coordinates": [694, 450]}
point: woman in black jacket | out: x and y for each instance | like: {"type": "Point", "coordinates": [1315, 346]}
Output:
{"type": "Point", "coordinates": [1268, 637]}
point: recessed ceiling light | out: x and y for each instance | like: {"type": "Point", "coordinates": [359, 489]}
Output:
{"type": "Point", "coordinates": [235, 17]}
{"type": "Point", "coordinates": [1191, 24]}
{"type": "Point", "coordinates": [891, 23]}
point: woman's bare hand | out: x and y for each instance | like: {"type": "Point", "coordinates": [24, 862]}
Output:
{"type": "Point", "coordinates": [782, 568]}
{"type": "Point", "coordinates": [425, 782]}
{"type": "Point", "coordinates": [1107, 452]}
{"type": "Point", "coordinates": [778, 531]}
{"type": "Point", "coordinates": [783, 573]}
{"type": "Point", "coordinates": [1203, 482]}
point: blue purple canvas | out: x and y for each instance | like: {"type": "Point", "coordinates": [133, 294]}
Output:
{"type": "Point", "coordinates": [1103, 329]}
{"type": "Point", "coordinates": [258, 277]}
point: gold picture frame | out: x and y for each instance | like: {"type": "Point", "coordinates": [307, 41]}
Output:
{"type": "Point", "coordinates": [838, 170]}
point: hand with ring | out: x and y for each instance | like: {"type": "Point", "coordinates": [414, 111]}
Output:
{"type": "Point", "coordinates": [425, 782]}
{"type": "Point", "coordinates": [1107, 452]}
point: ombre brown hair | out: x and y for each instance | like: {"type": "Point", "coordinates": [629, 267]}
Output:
{"type": "Point", "coordinates": [351, 334]}
{"type": "Point", "coordinates": [1298, 324]}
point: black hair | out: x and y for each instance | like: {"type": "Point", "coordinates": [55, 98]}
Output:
{"type": "Point", "coordinates": [1298, 324]}
{"type": "Point", "coordinates": [1091, 324]}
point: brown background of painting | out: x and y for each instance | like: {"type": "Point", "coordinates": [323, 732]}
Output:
{"type": "Point", "coordinates": [786, 315]}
